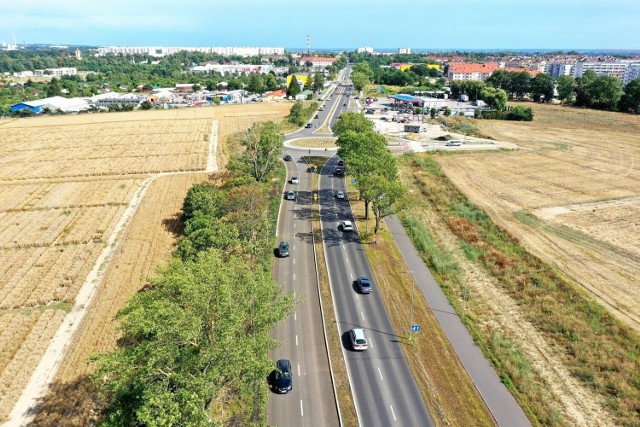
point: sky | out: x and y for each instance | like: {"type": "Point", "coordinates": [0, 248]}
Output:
{"type": "Point", "coordinates": [332, 24]}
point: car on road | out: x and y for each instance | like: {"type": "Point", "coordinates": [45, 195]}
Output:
{"type": "Point", "coordinates": [340, 162]}
{"type": "Point", "coordinates": [283, 249]}
{"type": "Point", "coordinates": [316, 116]}
{"type": "Point", "coordinates": [364, 285]}
{"type": "Point", "coordinates": [358, 340]}
{"type": "Point", "coordinates": [308, 126]}
{"type": "Point", "coordinates": [288, 158]}
{"type": "Point", "coordinates": [338, 172]}
{"type": "Point", "coordinates": [339, 194]}
{"type": "Point", "coordinates": [295, 180]}
{"type": "Point", "coordinates": [283, 380]}
{"type": "Point", "coordinates": [291, 195]}
{"type": "Point", "coordinates": [344, 105]}
{"type": "Point", "coordinates": [454, 144]}
{"type": "Point", "coordinates": [346, 226]}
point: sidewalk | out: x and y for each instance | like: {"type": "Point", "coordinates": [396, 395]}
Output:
{"type": "Point", "coordinates": [500, 402]}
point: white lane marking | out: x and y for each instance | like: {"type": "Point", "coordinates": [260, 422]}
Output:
{"type": "Point", "coordinates": [294, 225]}
{"type": "Point", "coordinates": [294, 277]}
{"type": "Point", "coordinates": [294, 261]}
{"type": "Point", "coordinates": [380, 372]}
{"type": "Point", "coordinates": [370, 342]}
{"type": "Point", "coordinates": [298, 369]}
{"type": "Point", "coordinates": [297, 345]}
{"type": "Point", "coordinates": [362, 314]}
{"type": "Point", "coordinates": [295, 315]}
{"type": "Point", "coordinates": [301, 410]}
{"type": "Point", "coordinates": [393, 413]}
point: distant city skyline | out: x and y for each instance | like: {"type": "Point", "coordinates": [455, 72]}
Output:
{"type": "Point", "coordinates": [332, 24]}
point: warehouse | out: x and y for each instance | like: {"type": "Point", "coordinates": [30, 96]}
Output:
{"type": "Point", "coordinates": [54, 103]}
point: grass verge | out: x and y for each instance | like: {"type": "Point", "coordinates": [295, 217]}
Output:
{"type": "Point", "coordinates": [599, 351]}
{"type": "Point", "coordinates": [446, 387]}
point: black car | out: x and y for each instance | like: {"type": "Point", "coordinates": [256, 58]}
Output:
{"type": "Point", "coordinates": [283, 380]}
{"type": "Point", "coordinates": [288, 158]}
{"type": "Point", "coordinates": [308, 126]}
{"type": "Point", "coordinates": [340, 162]}
{"type": "Point", "coordinates": [338, 172]}
{"type": "Point", "coordinates": [364, 285]}
{"type": "Point", "coordinates": [283, 249]}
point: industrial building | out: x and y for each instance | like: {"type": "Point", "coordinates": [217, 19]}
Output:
{"type": "Point", "coordinates": [54, 103]}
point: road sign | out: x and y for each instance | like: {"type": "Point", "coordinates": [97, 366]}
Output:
{"type": "Point", "coordinates": [353, 180]}
{"type": "Point", "coordinates": [415, 328]}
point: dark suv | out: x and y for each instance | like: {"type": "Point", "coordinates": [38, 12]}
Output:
{"type": "Point", "coordinates": [283, 249]}
{"type": "Point", "coordinates": [364, 285]}
{"type": "Point", "coordinates": [283, 380]}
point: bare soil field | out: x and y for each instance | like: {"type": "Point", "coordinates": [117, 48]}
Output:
{"type": "Point", "coordinates": [571, 195]}
{"type": "Point", "coordinates": [65, 182]}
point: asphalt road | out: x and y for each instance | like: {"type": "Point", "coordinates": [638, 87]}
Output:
{"type": "Point", "coordinates": [384, 390]}
{"type": "Point", "coordinates": [311, 402]}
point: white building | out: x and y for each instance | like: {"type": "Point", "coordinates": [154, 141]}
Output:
{"type": "Point", "coordinates": [365, 49]}
{"type": "Point", "coordinates": [404, 51]}
{"type": "Point", "coordinates": [318, 61]}
{"type": "Point", "coordinates": [611, 69]}
{"type": "Point", "coordinates": [555, 69]}
{"type": "Point", "coordinates": [232, 68]}
{"type": "Point", "coordinates": [631, 73]}
{"type": "Point", "coordinates": [160, 51]}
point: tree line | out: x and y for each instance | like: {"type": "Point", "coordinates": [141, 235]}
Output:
{"type": "Point", "coordinates": [195, 340]}
{"type": "Point", "coordinates": [373, 166]}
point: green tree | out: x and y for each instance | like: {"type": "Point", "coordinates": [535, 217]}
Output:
{"type": "Point", "coordinates": [630, 101]}
{"type": "Point", "coordinates": [53, 88]}
{"type": "Point", "coordinates": [363, 68]}
{"type": "Point", "coordinates": [433, 112]}
{"type": "Point", "coordinates": [271, 82]}
{"type": "Point", "coordinates": [521, 84]}
{"type": "Point", "coordinates": [256, 84]}
{"type": "Point", "coordinates": [359, 80]}
{"type": "Point", "coordinates": [294, 87]}
{"type": "Point", "coordinates": [262, 144]}
{"type": "Point", "coordinates": [566, 86]}
{"type": "Point", "coordinates": [388, 196]}
{"type": "Point", "coordinates": [354, 122]}
{"type": "Point", "coordinates": [542, 88]}
{"type": "Point", "coordinates": [318, 82]}
{"type": "Point", "coordinates": [501, 79]}
{"type": "Point", "coordinates": [200, 328]}
{"type": "Point", "coordinates": [494, 97]}
{"type": "Point", "coordinates": [584, 88]}
{"type": "Point", "coordinates": [607, 92]}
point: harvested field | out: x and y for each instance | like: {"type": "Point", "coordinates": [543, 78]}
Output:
{"type": "Point", "coordinates": [64, 202]}
{"type": "Point", "coordinates": [571, 196]}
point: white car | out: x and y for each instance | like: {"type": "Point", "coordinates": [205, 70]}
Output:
{"type": "Point", "coordinates": [346, 226]}
{"type": "Point", "coordinates": [454, 144]}
{"type": "Point", "coordinates": [291, 195]}
{"type": "Point", "coordinates": [358, 340]}
{"type": "Point", "coordinates": [295, 180]}
{"type": "Point", "coordinates": [339, 194]}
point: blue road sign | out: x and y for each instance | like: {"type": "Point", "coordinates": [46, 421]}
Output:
{"type": "Point", "coordinates": [415, 328]}
{"type": "Point", "coordinates": [353, 180]}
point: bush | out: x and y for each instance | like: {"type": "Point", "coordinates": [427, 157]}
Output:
{"type": "Point", "coordinates": [520, 113]}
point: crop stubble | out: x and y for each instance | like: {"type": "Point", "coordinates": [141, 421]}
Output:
{"type": "Point", "coordinates": [148, 242]}
{"type": "Point", "coordinates": [571, 196]}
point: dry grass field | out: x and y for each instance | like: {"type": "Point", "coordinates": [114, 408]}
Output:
{"type": "Point", "coordinates": [65, 182]}
{"type": "Point", "coordinates": [571, 195]}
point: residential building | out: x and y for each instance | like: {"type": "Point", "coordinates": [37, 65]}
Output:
{"type": "Point", "coordinates": [365, 49]}
{"type": "Point", "coordinates": [631, 73]}
{"type": "Point", "coordinates": [160, 51]}
{"type": "Point", "coordinates": [318, 61]}
{"type": "Point", "coordinates": [471, 71]}
{"type": "Point", "coordinates": [57, 72]}
{"type": "Point", "coordinates": [404, 51]}
{"type": "Point", "coordinates": [610, 69]}
{"type": "Point", "coordinates": [555, 69]}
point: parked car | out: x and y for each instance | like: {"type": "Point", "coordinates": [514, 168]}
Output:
{"type": "Point", "coordinates": [288, 158]}
{"type": "Point", "coordinates": [295, 180]}
{"type": "Point", "coordinates": [316, 116]}
{"type": "Point", "coordinates": [364, 285]}
{"type": "Point", "coordinates": [346, 226]}
{"type": "Point", "coordinates": [358, 340]}
{"type": "Point", "coordinates": [291, 195]}
{"type": "Point", "coordinates": [283, 381]}
{"type": "Point", "coordinates": [283, 249]}
{"type": "Point", "coordinates": [339, 194]}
